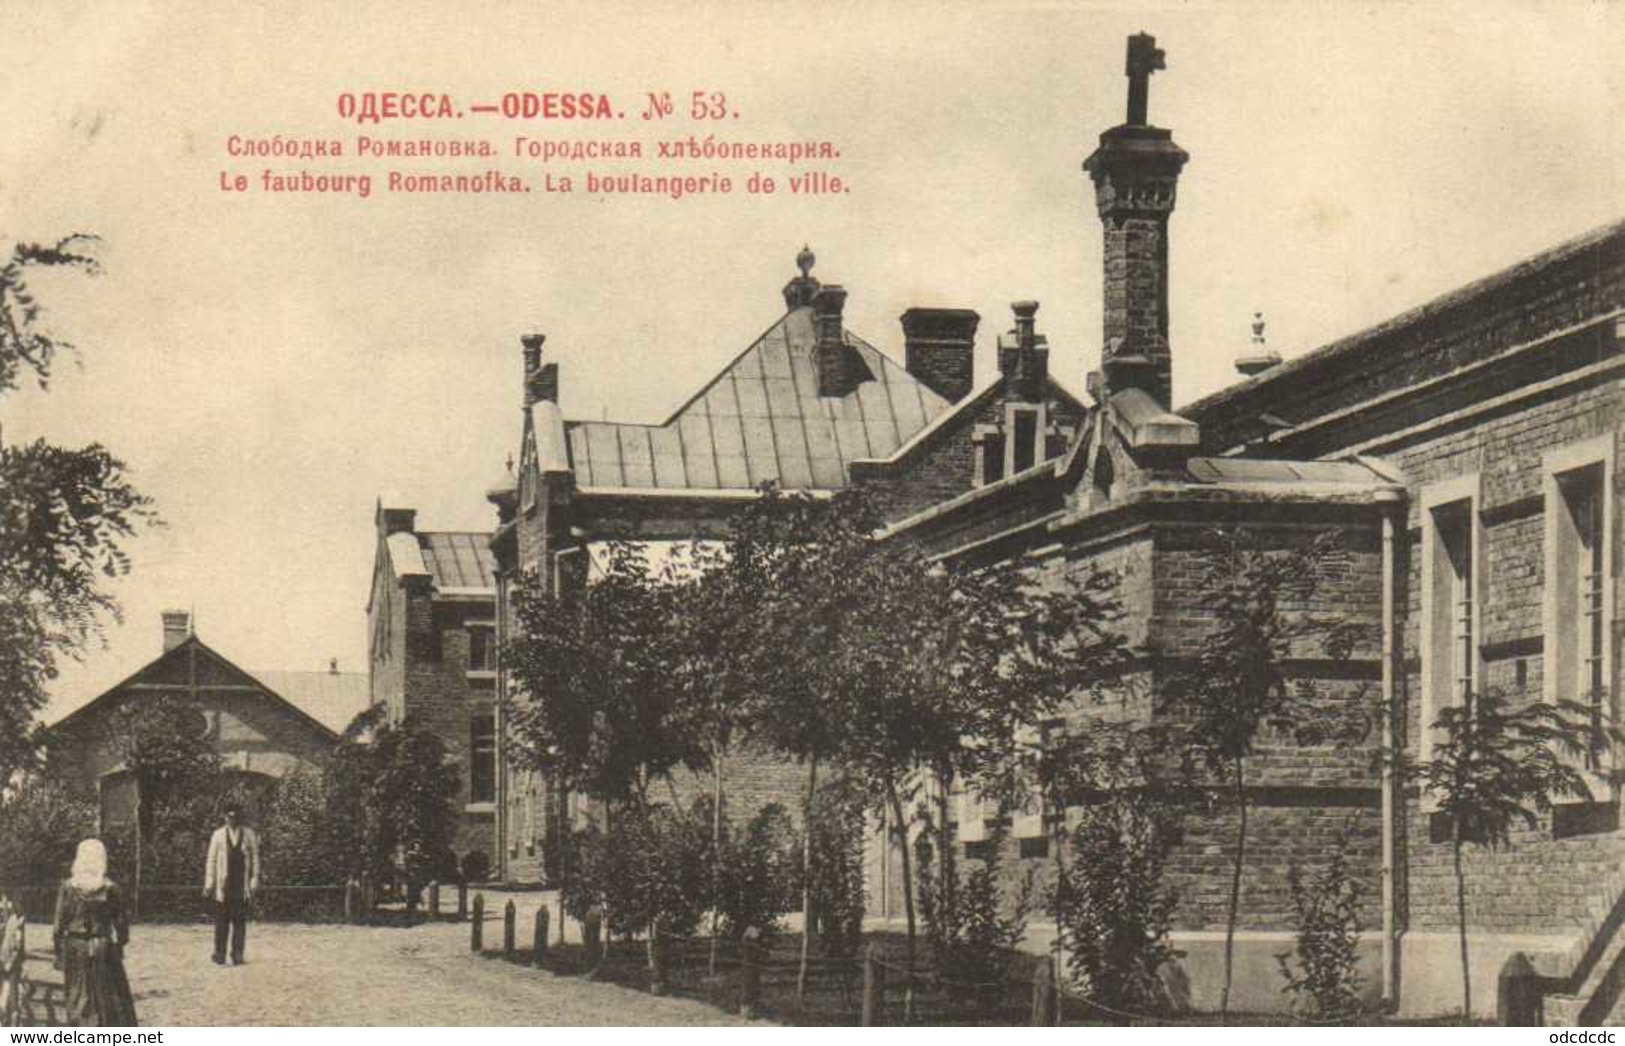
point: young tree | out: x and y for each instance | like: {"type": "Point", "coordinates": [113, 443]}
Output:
{"type": "Point", "coordinates": [803, 555]}
{"type": "Point", "coordinates": [1495, 766]}
{"type": "Point", "coordinates": [712, 598]}
{"type": "Point", "coordinates": [1258, 599]}
{"type": "Point", "coordinates": [64, 514]}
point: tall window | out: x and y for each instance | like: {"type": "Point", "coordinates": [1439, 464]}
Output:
{"type": "Point", "coordinates": [1023, 440]}
{"type": "Point", "coordinates": [482, 759]}
{"type": "Point", "coordinates": [1450, 637]}
{"type": "Point", "coordinates": [482, 649]}
{"type": "Point", "coordinates": [1578, 583]}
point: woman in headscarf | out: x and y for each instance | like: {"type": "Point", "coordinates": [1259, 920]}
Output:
{"type": "Point", "coordinates": [90, 934]}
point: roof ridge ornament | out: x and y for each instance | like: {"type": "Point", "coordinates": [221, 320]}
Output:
{"type": "Point", "coordinates": [801, 289]}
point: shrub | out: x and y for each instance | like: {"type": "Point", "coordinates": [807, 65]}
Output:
{"type": "Point", "coordinates": [759, 870]}
{"type": "Point", "coordinates": [1116, 909]}
{"type": "Point", "coordinates": [41, 823]}
{"type": "Point", "coordinates": [1325, 979]}
{"type": "Point", "coordinates": [837, 868]}
{"type": "Point", "coordinates": [299, 845]}
{"type": "Point", "coordinates": [973, 926]}
{"type": "Point", "coordinates": [651, 867]}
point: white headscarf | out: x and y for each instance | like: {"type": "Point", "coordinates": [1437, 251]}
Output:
{"type": "Point", "coordinates": [90, 865]}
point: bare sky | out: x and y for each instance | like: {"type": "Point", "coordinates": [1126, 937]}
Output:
{"type": "Point", "coordinates": [270, 366]}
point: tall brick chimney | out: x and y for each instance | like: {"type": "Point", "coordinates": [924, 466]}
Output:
{"type": "Point", "coordinates": [541, 380]}
{"type": "Point", "coordinates": [1024, 354]}
{"type": "Point", "coordinates": [837, 364]}
{"type": "Point", "coordinates": [177, 628]}
{"type": "Point", "coordinates": [395, 520]}
{"type": "Point", "coordinates": [938, 349]}
{"type": "Point", "coordinates": [1135, 171]}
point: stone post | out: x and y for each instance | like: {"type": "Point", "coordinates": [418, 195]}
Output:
{"type": "Point", "coordinates": [592, 928]}
{"type": "Point", "coordinates": [508, 918]}
{"type": "Point", "coordinates": [434, 899]}
{"type": "Point", "coordinates": [659, 959]}
{"type": "Point", "coordinates": [750, 973]}
{"type": "Point", "coordinates": [874, 988]}
{"type": "Point", "coordinates": [539, 937]}
{"type": "Point", "coordinates": [476, 927]}
{"type": "Point", "coordinates": [1044, 1000]}
{"type": "Point", "coordinates": [1518, 998]}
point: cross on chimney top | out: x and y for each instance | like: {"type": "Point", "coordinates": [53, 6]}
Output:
{"type": "Point", "coordinates": [1144, 58]}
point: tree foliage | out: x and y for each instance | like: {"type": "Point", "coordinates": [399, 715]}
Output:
{"type": "Point", "coordinates": [65, 514]}
{"type": "Point", "coordinates": [41, 823]}
{"type": "Point", "coordinates": [389, 790]}
{"type": "Point", "coordinates": [601, 701]}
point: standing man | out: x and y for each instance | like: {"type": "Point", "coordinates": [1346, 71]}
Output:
{"type": "Point", "coordinates": [231, 876]}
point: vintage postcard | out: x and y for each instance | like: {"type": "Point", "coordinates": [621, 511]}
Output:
{"type": "Point", "coordinates": [929, 514]}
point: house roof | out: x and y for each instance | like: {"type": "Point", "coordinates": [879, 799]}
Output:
{"type": "Point", "coordinates": [762, 419]}
{"type": "Point", "coordinates": [1376, 349]}
{"type": "Point", "coordinates": [328, 705]}
{"type": "Point", "coordinates": [331, 698]}
{"type": "Point", "coordinates": [451, 559]}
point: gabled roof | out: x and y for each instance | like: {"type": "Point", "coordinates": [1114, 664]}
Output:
{"type": "Point", "coordinates": [327, 706]}
{"type": "Point", "coordinates": [459, 560]}
{"type": "Point", "coordinates": [762, 419]}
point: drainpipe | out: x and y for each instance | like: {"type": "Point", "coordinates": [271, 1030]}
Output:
{"type": "Point", "coordinates": [1388, 502]}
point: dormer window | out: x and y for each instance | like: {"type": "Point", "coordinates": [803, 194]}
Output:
{"type": "Point", "coordinates": [1024, 425]}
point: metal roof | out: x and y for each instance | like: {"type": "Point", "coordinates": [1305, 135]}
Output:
{"type": "Point", "coordinates": [762, 419]}
{"type": "Point", "coordinates": [458, 559]}
{"type": "Point", "coordinates": [330, 698]}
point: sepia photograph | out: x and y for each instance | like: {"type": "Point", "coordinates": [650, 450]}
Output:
{"type": "Point", "coordinates": [919, 515]}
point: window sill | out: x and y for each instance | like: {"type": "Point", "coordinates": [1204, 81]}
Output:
{"type": "Point", "coordinates": [479, 808]}
{"type": "Point", "coordinates": [481, 673]}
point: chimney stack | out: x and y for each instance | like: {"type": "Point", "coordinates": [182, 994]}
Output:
{"type": "Point", "coordinates": [541, 380]}
{"type": "Point", "coordinates": [395, 520]}
{"type": "Point", "coordinates": [177, 628]}
{"type": "Point", "coordinates": [1135, 171]}
{"type": "Point", "coordinates": [939, 347]}
{"type": "Point", "coordinates": [1024, 355]}
{"type": "Point", "coordinates": [835, 362]}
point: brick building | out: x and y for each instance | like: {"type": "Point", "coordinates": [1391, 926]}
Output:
{"type": "Point", "coordinates": [264, 724]}
{"type": "Point", "coordinates": [809, 404]}
{"type": "Point", "coordinates": [431, 627]}
{"type": "Point", "coordinates": [1464, 454]}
